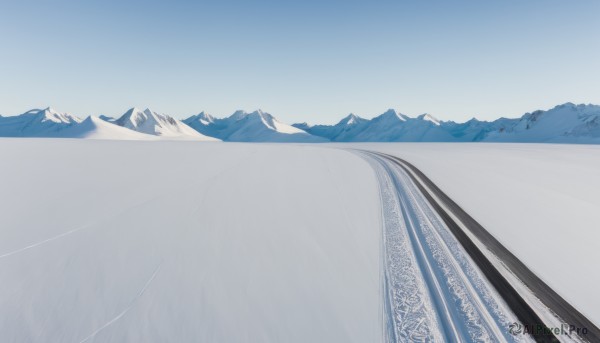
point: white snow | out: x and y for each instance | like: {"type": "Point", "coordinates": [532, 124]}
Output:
{"type": "Point", "coordinates": [157, 124]}
{"type": "Point", "coordinates": [564, 123]}
{"type": "Point", "coordinates": [95, 128]}
{"type": "Point", "coordinates": [428, 117]}
{"type": "Point", "coordinates": [176, 241]}
{"type": "Point", "coordinates": [257, 126]}
{"type": "Point", "coordinates": [345, 130]}
{"type": "Point", "coordinates": [182, 241]}
{"type": "Point", "coordinates": [427, 272]}
{"type": "Point", "coordinates": [540, 200]}
{"type": "Point", "coordinates": [36, 123]}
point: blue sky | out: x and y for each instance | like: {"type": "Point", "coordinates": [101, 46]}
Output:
{"type": "Point", "coordinates": [299, 60]}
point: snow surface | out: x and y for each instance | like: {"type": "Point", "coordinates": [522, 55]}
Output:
{"type": "Point", "coordinates": [181, 241]}
{"type": "Point", "coordinates": [540, 200]}
{"type": "Point", "coordinates": [95, 128]}
{"type": "Point", "coordinates": [566, 123]}
{"type": "Point", "coordinates": [157, 124]}
{"type": "Point", "coordinates": [257, 126]}
{"type": "Point", "coordinates": [433, 290]}
{"type": "Point", "coordinates": [176, 241]}
{"type": "Point", "coordinates": [36, 123]}
{"type": "Point", "coordinates": [343, 131]}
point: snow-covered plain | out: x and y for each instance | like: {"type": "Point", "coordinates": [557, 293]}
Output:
{"type": "Point", "coordinates": [540, 200]}
{"type": "Point", "coordinates": [180, 241]}
{"type": "Point", "coordinates": [186, 241]}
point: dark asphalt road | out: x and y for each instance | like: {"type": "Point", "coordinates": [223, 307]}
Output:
{"type": "Point", "coordinates": [519, 306]}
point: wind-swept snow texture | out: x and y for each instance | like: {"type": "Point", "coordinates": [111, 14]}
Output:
{"type": "Point", "coordinates": [539, 200]}
{"type": "Point", "coordinates": [170, 241]}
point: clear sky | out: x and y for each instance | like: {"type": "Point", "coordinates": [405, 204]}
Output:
{"type": "Point", "coordinates": [311, 60]}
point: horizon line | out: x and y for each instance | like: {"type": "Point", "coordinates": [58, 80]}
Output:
{"type": "Point", "coordinates": [300, 122]}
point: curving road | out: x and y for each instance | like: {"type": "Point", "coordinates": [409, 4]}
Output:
{"type": "Point", "coordinates": [445, 278]}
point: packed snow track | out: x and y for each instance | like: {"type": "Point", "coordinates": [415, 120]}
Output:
{"type": "Point", "coordinates": [437, 284]}
{"type": "Point", "coordinates": [432, 290]}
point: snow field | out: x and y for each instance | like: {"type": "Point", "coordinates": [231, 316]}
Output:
{"type": "Point", "coordinates": [538, 200]}
{"type": "Point", "coordinates": [185, 241]}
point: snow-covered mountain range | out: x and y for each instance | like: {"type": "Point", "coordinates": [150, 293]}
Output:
{"type": "Point", "coordinates": [156, 124]}
{"type": "Point", "coordinates": [257, 126]}
{"type": "Point", "coordinates": [95, 128]}
{"type": "Point", "coordinates": [567, 123]}
{"type": "Point", "coordinates": [36, 123]}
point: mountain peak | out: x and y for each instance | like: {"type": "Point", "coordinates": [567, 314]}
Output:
{"type": "Point", "coordinates": [237, 115]}
{"type": "Point", "coordinates": [205, 117]}
{"type": "Point", "coordinates": [266, 118]}
{"type": "Point", "coordinates": [261, 114]}
{"type": "Point", "coordinates": [96, 128]}
{"type": "Point", "coordinates": [134, 117]}
{"type": "Point", "coordinates": [576, 107]}
{"type": "Point", "coordinates": [429, 117]}
{"type": "Point", "coordinates": [49, 114]}
{"type": "Point", "coordinates": [351, 119]}
{"type": "Point", "coordinates": [157, 124]}
{"type": "Point", "coordinates": [201, 118]}
{"type": "Point", "coordinates": [393, 115]}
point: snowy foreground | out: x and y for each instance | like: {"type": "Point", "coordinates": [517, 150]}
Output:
{"type": "Point", "coordinates": [180, 241]}
{"type": "Point", "coordinates": [539, 200]}
{"type": "Point", "coordinates": [186, 241]}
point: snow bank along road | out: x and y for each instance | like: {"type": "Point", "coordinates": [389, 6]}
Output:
{"type": "Point", "coordinates": [435, 256]}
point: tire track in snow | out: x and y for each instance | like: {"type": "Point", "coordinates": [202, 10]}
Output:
{"type": "Point", "coordinates": [408, 313]}
{"type": "Point", "coordinates": [530, 297]}
{"type": "Point", "coordinates": [465, 306]}
{"type": "Point", "coordinates": [80, 228]}
{"type": "Point", "coordinates": [92, 224]}
{"type": "Point", "coordinates": [125, 310]}
{"type": "Point", "coordinates": [45, 241]}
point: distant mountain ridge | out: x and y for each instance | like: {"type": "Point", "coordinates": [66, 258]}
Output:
{"type": "Point", "coordinates": [156, 124]}
{"type": "Point", "coordinates": [36, 123]}
{"type": "Point", "coordinates": [257, 126]}
{"type": "Point", "coordinates": [566, 123]}
{"type": "Point", "coordinates": [97, 128]}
